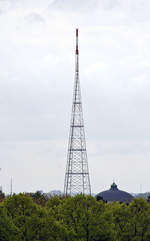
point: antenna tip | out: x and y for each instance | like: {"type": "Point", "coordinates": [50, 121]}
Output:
{"type": "Point", "coordinates": [77, 51]}
{"type": "Point", "coordinates": [76, 31]}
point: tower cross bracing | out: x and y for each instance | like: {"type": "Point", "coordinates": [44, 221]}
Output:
{"type": "Point", "coordinates": [77, 178]}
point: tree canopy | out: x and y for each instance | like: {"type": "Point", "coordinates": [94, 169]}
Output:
{"type": "Point", "coordinates": [24, 217]}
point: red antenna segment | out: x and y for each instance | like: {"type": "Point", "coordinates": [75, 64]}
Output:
{"type": "Point", "coordinates": [77, 50]}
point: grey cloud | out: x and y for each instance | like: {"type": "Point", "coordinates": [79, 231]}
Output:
{"type": "Point", "coordinates": [135, 10]}
{"type": "Point", "coordinates": [73, 5]}
{"type": "Point", "coordinates": [7, 5]}
{"type": "Point", "coordinates": [35, 18]}
{"type": "Point", "coordinates": [102, 4]}
{"type": "Point", "coordinates": [84, 4]}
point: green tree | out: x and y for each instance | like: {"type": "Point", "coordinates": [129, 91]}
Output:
{"type": "Point", "coordinates": [86, 219]}
{"type": "Point", "coordinates": [140, 219]}
{"type": "Point", "coordinates": [39, 198]}
{"type": "Point", "coordinates": [8, 231]}
{"type": "Point", "coordinates": [132, 222]}
{"type": "Point", "coordinates": [34, 222]}
{"type": "Point", "coordinates": [121, 215]}
{"type": "Point", "coordinates": [2, 196]}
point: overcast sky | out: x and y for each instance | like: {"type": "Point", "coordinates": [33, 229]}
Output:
{"type": "Point", "coordinates": [37, 47]}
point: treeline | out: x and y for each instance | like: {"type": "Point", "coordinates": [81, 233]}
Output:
{"type": "Point", "coordinates": [80, 218]}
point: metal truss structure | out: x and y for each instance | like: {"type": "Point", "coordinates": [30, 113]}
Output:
{"type": "Point", "coordinates": [77, 178]}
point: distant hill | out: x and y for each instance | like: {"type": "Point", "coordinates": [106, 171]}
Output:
{"type": "Point", "coordinates": [144, 195]}
{"type": "Point", "coordinates": [54, 193]}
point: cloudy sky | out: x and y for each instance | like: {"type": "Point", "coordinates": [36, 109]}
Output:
{"type": "Point", "coordinates": [37, 46]}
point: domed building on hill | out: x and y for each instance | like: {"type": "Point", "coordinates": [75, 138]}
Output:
{"type": "Point", "coordinates": [114, 194]}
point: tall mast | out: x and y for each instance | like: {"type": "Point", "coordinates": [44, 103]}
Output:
{"type": "Point", "coordinates": [77, 178]}
{"type": "Point", "coordinates": [11, 188]}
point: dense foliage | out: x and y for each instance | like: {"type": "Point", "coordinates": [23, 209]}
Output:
{"type": "Point", "coordinates": [81, 218]}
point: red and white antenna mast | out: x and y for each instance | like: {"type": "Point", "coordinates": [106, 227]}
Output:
{"type": "Point", "coordinates": [77, 178]}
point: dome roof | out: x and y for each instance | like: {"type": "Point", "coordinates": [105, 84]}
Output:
{"type": "Point", "coordinates": [114, 194]}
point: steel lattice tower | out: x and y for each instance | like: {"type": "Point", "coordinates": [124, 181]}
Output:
{"type": "Point", "coordinates": [77, 174]}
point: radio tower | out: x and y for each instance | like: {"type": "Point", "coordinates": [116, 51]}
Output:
{"type": "Point", "coordinates": [77, 178]}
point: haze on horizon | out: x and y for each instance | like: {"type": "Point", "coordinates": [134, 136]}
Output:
{"type": "Point", "coordinates": [37, 48]}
